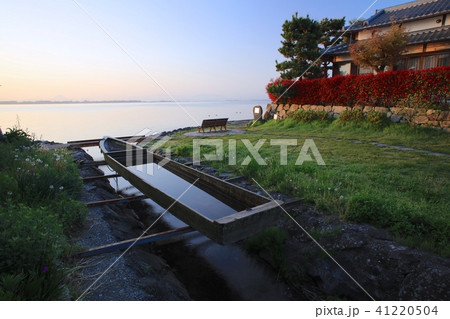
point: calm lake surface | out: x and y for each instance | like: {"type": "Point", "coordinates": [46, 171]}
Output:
{"type": "Point", "coordinates": [64, 122]}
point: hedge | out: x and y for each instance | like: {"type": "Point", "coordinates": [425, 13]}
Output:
{"type": "Point", "coordinates": [383, 89]}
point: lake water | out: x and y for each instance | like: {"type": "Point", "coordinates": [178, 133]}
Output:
{"type": "Point", "coordinates": [64, 122]}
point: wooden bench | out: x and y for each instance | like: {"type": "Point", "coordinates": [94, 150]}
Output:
{"type": "Point", "coordinates": [212, 124]}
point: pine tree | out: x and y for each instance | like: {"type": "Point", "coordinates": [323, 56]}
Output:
{"type": "Point", "coordinates": [331, 29]}
{"type": "Point", "coordinates": [300, 48]}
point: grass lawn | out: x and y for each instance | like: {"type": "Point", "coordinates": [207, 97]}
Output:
{"type": "Point", "coordinates": [403, 191]}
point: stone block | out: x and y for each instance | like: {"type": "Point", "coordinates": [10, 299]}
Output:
{"type": "Point", "coordinates": [293, 108]}
{"type": "Point", "coordinates": [422, 119]}
{"type": "Point", "coordinates": [367, 109]}
{"type": "Point", "coordinates": [445, 124]}
{"type": "Point", "coordinates": [270, 107]}
{"type": "Point", "coordinates": [396, 110]}
{"type": "Point", "coordinates": [339, 109]}
{"type": "Point", "coordinates": [396, 118]}
{"type": "Point", "coordinates": [444, 116]}
{"type": "Point", "coordinates": [381, 109]}
{"type": "Point", "coordinates": [306, 107]}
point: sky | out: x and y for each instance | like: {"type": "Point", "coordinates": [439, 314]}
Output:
{"type": "Point", "coordinates": [149, 50]}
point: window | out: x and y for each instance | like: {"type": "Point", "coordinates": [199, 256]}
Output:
{"type": "Point", "coordinates": [423, 62]}
{"type": "Point", "coordinates": [413, 64]}
{"type": "Point", "coordinates": [345, 68]}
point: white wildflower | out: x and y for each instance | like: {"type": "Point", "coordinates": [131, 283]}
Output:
{"type": "Point", "coordinates": [51, 187]}
{"type": "Point", "coordinates": [61, 188]}
{"type": "Point", "coordinates": [10, 193]}
{"type": "Point", "coordinates": [27, 159]}
{"type": "Point", "coordinates": [341, 197]}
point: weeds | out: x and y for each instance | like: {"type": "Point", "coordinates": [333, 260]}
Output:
{"type": "Point", "coordinates": [39, 208]}
{"type": "Point", "coordinates": [271, 240]}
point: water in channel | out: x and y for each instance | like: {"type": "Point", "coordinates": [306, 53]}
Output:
{"type": "Point", "coordinates": [208, 270]}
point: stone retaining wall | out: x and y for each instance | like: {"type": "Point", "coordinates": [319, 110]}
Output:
{"type": "Point", "coordinates": [434, 118]}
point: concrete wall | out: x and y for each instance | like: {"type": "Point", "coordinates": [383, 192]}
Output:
{"type": "Point", "coordinates": [423, 24]}
{"type": "Point", "coordinates": [434, 118]}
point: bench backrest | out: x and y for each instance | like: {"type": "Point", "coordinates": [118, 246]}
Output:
{"type": "Point", "coordinates": [214, 122]}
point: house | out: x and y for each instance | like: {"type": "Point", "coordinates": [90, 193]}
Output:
{"type": "Point", "coordinates": [427, 23]}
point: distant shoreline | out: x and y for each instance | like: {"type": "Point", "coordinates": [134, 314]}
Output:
{"type": "Point", "coordinates": [111, 101]}
{"type": "Point", "coordinates": [70, 102]}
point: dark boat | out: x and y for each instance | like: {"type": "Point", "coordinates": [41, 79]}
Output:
{"type": "Point", "coordinates": [249, 213]}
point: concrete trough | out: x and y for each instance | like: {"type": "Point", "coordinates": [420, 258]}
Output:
{"type": "Point", "coordinates": [253, 212]}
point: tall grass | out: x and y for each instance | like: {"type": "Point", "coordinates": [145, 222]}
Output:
{"type": "Point", "coordinates": [38, 210]}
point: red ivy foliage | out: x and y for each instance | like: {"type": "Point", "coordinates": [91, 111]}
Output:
{"type": "Point", "coordinates": [383, 89]}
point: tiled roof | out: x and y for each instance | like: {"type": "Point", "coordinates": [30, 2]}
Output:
{"type": "Point", "coordinates": [430, 35]}
{"type": "Point", "coordinates": [418, 37]}
{"type": "Point", "coordinates": [337, 49]}
{"type": "Point", "coordinates": [408, 11]}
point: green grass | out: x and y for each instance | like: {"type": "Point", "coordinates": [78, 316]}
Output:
{"type": "Point", "coordinates": [403, 191]}
{"type": "Point", "coordinates": [38, 210]}
{"type": "Point", "coordinates": [394, 134]}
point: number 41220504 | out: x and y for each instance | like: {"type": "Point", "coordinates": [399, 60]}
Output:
{"type": "Point", "coordinates": [407, 310]}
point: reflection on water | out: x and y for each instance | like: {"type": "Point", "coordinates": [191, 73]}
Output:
{"type": "Point", "coordinates": [175, 186]}
{"type": "Point", "coordinates": [64, 122]}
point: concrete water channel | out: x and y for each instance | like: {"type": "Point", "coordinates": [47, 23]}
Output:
{"type": "Point", "coordinates": [209, 271]}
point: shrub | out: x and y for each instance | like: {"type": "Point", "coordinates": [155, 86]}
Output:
{"type": "Point", "coordinates": [37, 192]}
{"type": "Point", "coordinates": [30, 238]}
{"type": "Point", "coordinates": [278, 90]}
{"type": "Point", "coordinates": [309, 115]}
{"type": "Point", "coordinates": [351, 116]}
{"type": "Point", "coordinates": [8, 187]}
{"type": "Point", "coordinates": [377, 119]}
{"type": "Point", "coordinates": [369, 208]}
{"type": "Point", "coordinates": [415, 101]}
{"type": "Point", "coordinates": [18, 136]}
{"type": "Point", "coordinates": [71, 213]}
{"type": "Point", "coordinates": [47, 285]}
{"type": "Point", "coordinates": [383, 89]}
